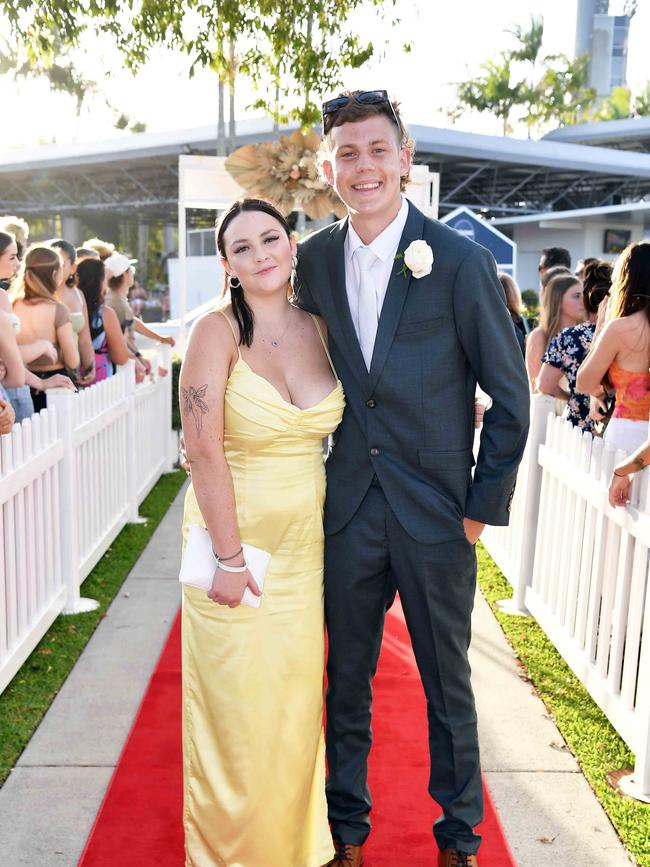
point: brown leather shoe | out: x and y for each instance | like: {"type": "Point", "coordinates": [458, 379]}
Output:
{"type": "Point", "coordinates": [456, 858]}
{"type": "Point", "coordinates": [347, 855]}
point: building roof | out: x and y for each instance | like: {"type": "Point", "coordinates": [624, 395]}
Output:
{"type": "Point", "coordinates": [622, 211]}
{"type": "Point", "coordinates": [497, 175]}
{"type": "Point", "coordinates": [526, 152]}
{"type": "Point", "coordinates": [134, 175]}
{"type": "Point", "coordinates": [133, 146]}
{"type": "Point", "coordinates": [632, 133]}
{"type": "Point", "coordinates": [137, 175]}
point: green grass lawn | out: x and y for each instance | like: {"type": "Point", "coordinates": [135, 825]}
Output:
{"type": "Point", "coordinates": [590, 736]}
{"type": "Point", "coordinates": [27, 698]}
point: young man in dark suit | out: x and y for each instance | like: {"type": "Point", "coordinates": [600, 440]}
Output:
{"type": "Point", "coordinates": [416, 318]}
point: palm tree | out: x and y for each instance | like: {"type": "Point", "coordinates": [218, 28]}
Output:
{"type": "Point", "coordinates": [642, 101]}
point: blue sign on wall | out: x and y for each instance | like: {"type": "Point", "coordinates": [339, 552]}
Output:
{"type": "Point", "coordinates": [468, 223]}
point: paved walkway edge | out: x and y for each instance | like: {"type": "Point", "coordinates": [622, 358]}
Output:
{"type": "Point", "coordinates": [50, 800]}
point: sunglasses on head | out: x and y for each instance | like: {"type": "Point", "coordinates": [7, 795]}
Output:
{"type": "Point", "coordinates": [366, 97]}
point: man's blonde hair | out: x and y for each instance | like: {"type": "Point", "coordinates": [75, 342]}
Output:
{"type": "Point", "coordinates": [104, 248]}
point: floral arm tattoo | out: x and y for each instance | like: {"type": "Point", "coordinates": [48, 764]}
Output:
{"type": "Point", "coordinates": [194, 405]}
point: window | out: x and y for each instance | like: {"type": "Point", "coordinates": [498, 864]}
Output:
{"type": "Point", "coordinates": [201, 242]}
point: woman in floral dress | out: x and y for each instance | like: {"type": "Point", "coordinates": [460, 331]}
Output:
{"type": "Point", "coordinates": [568, 349]}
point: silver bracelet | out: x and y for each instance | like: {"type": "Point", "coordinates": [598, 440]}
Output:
{"type": "Point", "coordinates": [232, 556]}
{"type": "Point", "coordinates": [225, 568]}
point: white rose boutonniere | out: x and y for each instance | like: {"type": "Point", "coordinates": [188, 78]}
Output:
{"type": "Point", "coordinates": [418, 258]}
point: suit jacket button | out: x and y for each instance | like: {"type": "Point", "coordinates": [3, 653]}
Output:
{"type": "Point", "coordinates": [371, 403]}
{"type": "Point", "coordinates": [374, 452]}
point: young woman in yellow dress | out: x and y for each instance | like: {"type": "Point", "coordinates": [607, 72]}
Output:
{"type": "Point", "coordinates": [258, 395]}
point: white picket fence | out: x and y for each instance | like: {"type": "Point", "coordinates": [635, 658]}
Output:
{"type": "Point", "coordinates": [580, 567]}
{"type": "Point", "coordinates": [71, 477]}
{"type": "Point", "coordinates": [513, 547]}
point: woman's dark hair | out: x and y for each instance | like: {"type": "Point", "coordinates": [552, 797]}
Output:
{"type": "Point", "coordinates": [66, 246]}
{"type": "Point", "coordinates": [6, 239]}
{"type": "Point", "coordinates": [69, 250]}
{"type": "Point", "coordinates": [631, 281]}
{"type": "Point", "coordinates": [582, 264]}
{"type": "Point", "coordinates": [554, 256]}
{"type": "Point", "coordinates": [90, 277]}
{"type": "Point", "coordinates": [242, 312]}
{"type": "Point", "coordinates": [114, 283]}
{"type": "Point", "coordinates": [596, 283]}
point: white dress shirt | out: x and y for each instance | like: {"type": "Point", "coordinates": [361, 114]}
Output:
{"type": "Point", "coordinates": [385, 248]}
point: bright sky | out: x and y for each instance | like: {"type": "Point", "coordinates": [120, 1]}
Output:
{"type": "Point", "coordinates": [448, 46]}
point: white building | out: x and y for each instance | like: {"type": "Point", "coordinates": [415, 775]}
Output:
{"type": "Point", "coordinates": [595, 232]}
{"type": "Point", "coordinates": [604, 38]}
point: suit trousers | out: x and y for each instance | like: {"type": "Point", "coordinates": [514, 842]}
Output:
{"type": "Point", "coordinates": [365, 562]}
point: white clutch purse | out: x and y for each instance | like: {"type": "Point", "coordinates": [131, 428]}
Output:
{"type": "Point", "coordinates": [199, 564]}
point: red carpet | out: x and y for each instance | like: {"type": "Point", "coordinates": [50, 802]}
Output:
{"type": "Point", "coordinates": [139, 822]}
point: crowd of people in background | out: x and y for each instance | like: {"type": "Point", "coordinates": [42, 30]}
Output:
{"type": "Point", "coordinates": [65, 318]}
{"type": "Point", "coordinates": [590, 347]}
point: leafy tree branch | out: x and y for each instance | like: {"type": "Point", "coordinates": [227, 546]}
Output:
{"type": "Point", "coordinates": [293, 51]}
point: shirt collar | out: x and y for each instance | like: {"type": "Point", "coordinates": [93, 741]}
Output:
{"type": "Point", "coordinates": [386, 243]}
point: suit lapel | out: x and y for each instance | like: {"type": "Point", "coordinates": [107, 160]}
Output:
{"type": "Point", "coordinates": [396, 291]}
{"type": "Point", "coordinates": [340, 320]}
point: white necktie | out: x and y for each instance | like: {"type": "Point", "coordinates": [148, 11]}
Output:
{"type": "Point", "coordinates": [368, 317]}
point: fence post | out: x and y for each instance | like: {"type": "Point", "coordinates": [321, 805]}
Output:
{"type": "Point", "coordinates": [168, 439]}
{"type": "Point", "coordinates": [637, 784]}
{"type": "Point", "coordinates": [63, 402]}
{"type": "Point", "coordinates": [530, 479]}
{"type": "Point", "coordinates": [131, 452]}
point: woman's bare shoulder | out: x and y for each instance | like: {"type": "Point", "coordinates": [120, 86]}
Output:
{"type": "Point", "coordinates": [110, 316]}
{"type": "Point", "coordinates": [213, 335]}
{"type": "Point", "coordinates": [623, 327]}
{"type": "Point", "coordinates": [630, 332]}
{"type": "Point", "coordinates": [620, 325]}
{"type": "Point", "coordinates": [633, 323]}
{"type": "Point", "coordinates": [214, 323]}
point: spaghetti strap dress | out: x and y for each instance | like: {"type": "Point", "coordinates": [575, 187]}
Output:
{"type": "Point", "coordinates": [253, 746]}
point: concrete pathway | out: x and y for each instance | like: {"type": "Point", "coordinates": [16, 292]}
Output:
{"type": "Point", "coordinates": [49, 802]}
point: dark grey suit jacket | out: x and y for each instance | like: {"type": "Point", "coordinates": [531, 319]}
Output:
{"type": "Point", "coordinates": [410, 419]}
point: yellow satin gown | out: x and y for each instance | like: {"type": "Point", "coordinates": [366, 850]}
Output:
{"type": "Point", "coordinates": [253, 746]}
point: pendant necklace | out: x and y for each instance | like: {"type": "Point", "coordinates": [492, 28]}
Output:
{"type": "Point", "coordinates": [276, 341]}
